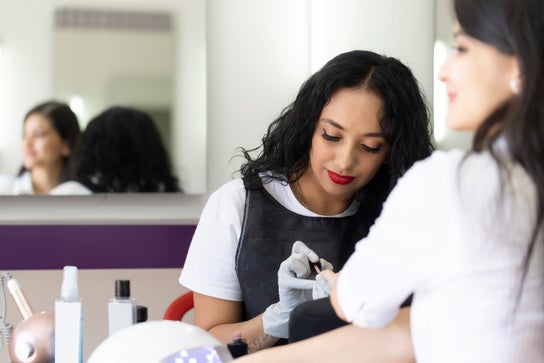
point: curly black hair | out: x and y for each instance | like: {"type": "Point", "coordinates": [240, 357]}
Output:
{"type": "Point", "coordinates": [121, 150]}
{"type": "Point", "coordinates": [404, 120]}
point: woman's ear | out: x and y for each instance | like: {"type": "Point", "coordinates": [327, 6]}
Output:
{"type": "Point", "coordinates": [66, 151]}
{"type": "Point", "coordinates": [515, 79]}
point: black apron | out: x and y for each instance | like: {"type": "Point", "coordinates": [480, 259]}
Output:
{"type": "Point", "coordinates": [268, 233]}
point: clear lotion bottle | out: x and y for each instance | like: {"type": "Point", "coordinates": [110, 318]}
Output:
{"type": "Point", "coordinates": [69, 320]}
{"type": "Point", "coordinates": [121, 308]}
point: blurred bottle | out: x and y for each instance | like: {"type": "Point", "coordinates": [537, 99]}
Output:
{"type": "Point", "coordinates": [141, 313]}
{"type": "Point", "coordinates": [238, 347]}
{"type": "Point", "coordinates": [121, 308]}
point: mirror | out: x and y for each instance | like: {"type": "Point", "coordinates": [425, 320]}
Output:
{"type": "Point", "coordinates": [128, 58]}
{"type": "Point", "coordinates": [150, 55]}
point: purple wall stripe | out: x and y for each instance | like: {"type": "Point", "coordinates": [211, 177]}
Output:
{"type": "Point", "coordinates": [39, 247]}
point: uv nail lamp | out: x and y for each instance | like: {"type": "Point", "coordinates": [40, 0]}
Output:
{"type": "Point", "coordinates": [162, 341]}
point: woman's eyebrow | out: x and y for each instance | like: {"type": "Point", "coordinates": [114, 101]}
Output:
{"type": "Point", "coordinates": [333, 123]}
{"type": "Point", "coordinates": [459, 33]}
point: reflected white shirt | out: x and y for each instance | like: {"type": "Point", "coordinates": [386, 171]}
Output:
{"type": "Point", "coordinates": [70, 187]}
{"type": "Point", "coordinates": [22, 185]}
{"type": "Point", "coordinates": [16, 185]}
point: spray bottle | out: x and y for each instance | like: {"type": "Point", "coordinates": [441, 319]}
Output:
{"type": "Point", "coordinates": [69, 320]}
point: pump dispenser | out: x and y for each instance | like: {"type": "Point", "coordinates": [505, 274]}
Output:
{"type": "Point", "coordinates": [121, 308]}
{"type": "Point", "coordinates": [69, 320]}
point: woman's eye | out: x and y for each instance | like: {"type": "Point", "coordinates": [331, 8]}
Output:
{"type": "Point", "coordinates": [460, 49]}
{"type": "Point", "coordinates": [329, 137]}
{"type": "Point", "coordinates": [372, 150]}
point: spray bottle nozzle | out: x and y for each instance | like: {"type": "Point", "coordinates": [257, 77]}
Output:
{"type": "Point", "coordinates": [68, 290]}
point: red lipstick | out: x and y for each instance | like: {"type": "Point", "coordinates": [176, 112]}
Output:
{"type": "Point", "coordinates": [340, 179]}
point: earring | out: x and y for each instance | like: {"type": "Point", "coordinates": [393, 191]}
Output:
{"type": "Point", "coordinates": [514, 86]}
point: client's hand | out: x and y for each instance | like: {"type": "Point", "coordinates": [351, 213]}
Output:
{"type": "Point", "coordinates": [329, 276]}
{"type": "Point", "coordinates": [332, 280]}
{"type": "Point", "coordinates": [293, 288]}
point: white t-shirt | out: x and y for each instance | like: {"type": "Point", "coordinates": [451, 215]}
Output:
{"type": "Point", "coordinates": [445, 234]}
{"type": "Point", "coordinates": [16, 185]}
{"type": "Point", "coordinates": [210, 265]}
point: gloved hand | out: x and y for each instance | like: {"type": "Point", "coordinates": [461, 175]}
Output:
{"type": "Point", "coordinates": [321, 288]}
{"type": "Point", "coordinates": [293, 289]}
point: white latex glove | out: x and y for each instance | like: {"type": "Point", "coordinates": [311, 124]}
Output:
{"type": "Point", "coordinates": [322, 288]}
{"type": "Point", "coordinates": [293, 288]}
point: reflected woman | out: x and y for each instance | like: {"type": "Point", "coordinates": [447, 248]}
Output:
{"type": "Point", "coordinates": [50, 132]}
{"type": "Point", "coordinates": [121, 151]}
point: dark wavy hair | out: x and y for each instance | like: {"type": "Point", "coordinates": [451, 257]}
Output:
{"type": "Point", "coordinates": [65, 123]}
{"type": "Point", "coordinates": [121, 150]}
{"type": "Point", "coordinates": [404, 119]}
{"type": "Point", "coordinates": [514, 27]}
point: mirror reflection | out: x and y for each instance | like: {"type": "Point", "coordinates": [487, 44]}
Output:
{"type": "Point", "coordinates": [50, 134]}
{"type": "Point", "coordinates": [103, 55]}
{"type": "Point", "coordinates": [127, 56]}
{"type": "Point", "coordinates": [120, 151]}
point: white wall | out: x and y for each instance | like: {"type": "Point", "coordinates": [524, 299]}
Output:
{"type": "Point", "coordinates": [259, 53]}
{"type": "Point", "coordinates": [258, 56]}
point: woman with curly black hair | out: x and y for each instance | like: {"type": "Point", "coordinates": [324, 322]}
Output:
{"type": "Point", "coordinates": [324, 169]}
{"type": "Point", "coordinates": [121, 151]}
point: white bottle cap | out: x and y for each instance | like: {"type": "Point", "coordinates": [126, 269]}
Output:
{"type": "Point", "coordinates": [68, 290]}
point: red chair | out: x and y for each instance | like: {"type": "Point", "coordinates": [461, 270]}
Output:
{"type": "Point", "coordinates": [177, 308]}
